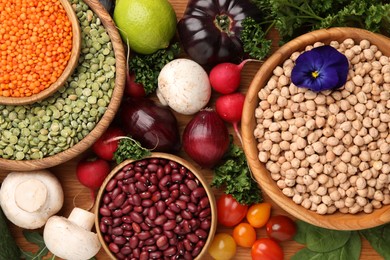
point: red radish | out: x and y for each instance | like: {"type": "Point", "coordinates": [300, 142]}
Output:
{"type": "Point", "coordinates": [105, 147]}
{"type": "Point", "coordinates": [225, 77]}
{"type": "Point", "coordinates": [229, 108]}
{"type": "Point", "coordinates": [132, 88]}
{"type": "Point", "coordinates": [91, 173]}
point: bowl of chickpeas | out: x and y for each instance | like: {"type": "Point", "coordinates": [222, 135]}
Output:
{"type": "Point", "coordinates": [324, 156]}
{"type": "Point", "coordinates": [41, 53]}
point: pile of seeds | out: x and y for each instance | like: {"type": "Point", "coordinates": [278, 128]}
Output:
{"type": "Point", "coordinates": [329, 151]}
{"type": "Point", "coordinates": [57, 123]}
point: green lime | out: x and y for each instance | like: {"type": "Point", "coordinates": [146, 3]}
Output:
{"type": "Point", "coordinates": [146, 25]}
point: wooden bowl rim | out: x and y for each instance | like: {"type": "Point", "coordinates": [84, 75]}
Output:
{"type": "Point", "coordinates": [179, 160]}
{"type": "Point", "coordinates": [105, 120]}
{"type": "Point", "coordinates": [338, 221]}
{"type": "Point", "coordinates": [70, 67]}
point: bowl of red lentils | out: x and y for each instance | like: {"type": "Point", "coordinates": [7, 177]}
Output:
{"type": "Point", "coordinates": [324, 156]}
{"type": "Point", "coordinates": [39, 47]}
{"type": "Point", "coordinates": [159, 207]}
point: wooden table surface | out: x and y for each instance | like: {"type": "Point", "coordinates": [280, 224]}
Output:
{"type": "Point", "coordinates": [77, 195]}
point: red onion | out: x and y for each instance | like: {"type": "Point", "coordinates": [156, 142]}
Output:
{"type": "Point", "coordinates": [154, 126]}
{"type": "Point", "coordinates": [206, 138]}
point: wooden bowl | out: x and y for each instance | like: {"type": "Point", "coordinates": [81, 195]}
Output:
{"type": "Point", "coordinates": [72, 64]}
{"type": "Point", "coordinates": [337, 220]}
{"type": "Point", "coordinates": [105, 120]}
{"type": "Point", "coordinates": [179, 160]}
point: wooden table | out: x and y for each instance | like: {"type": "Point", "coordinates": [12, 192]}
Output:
{"type": "Point", "coordinates": [77, 195]}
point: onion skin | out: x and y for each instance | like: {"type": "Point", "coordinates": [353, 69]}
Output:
{"type": "Point", "coordinates": [206, 138]}
{"type": "Point", "coordinates": [154, 126]}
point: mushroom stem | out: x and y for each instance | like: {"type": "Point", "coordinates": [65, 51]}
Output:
{"type": "Point", "coordinates": [82, 218]}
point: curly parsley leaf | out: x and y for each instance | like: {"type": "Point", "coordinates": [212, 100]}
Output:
{"type": "Point", "coordinates": [148, 67]}
{"type": "Point", "coordinates": [234, 174]}
{"type": "Point", "coordinates": [128, 148]}
{"type": "Point", "coordinates": [254, 40]}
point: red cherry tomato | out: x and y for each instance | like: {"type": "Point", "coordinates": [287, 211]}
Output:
{"type": "Point", "coordinates": [281, 228]}
{"type": "Point", "coordinates": [266, 249]}
{"type": "Point", "coordinates": [104, 147]}
{"type": "Point", "coordinates": [258, 214]}
{"type": "Point", "coordinates": [244, 234]}
{"type": "Point", "coordinates": [229, 211]}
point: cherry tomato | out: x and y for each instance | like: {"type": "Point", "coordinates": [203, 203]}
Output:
{"type": "Point", "coordinates": [281, 228]}
{"type": "Point", "coordinates": [266, 249]}
{"type": "Point", "coordinates": [258, 214]}
{"type": "Point", "coordinates": [229, 211]}
{"type": "Point", "coordinates": [244, 234]}
{"type": "Point", "coordinates": [223, 247]}
{"type": "Point", "coordinates": [104, 147]}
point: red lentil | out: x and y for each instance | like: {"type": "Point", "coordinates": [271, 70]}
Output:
{"type": "Point", "coordinates": [35, 45]}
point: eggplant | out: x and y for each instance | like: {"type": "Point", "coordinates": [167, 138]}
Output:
{"type": "Point", "coordinates": [153, 125]}
{"type": "Point", "coordinates": [210, 29]}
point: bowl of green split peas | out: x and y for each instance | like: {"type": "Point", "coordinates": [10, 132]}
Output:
{"type": "Point", "coordinates": [56, 129]}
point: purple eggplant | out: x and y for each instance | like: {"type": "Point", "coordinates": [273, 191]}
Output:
{"type": "Point", "coordinates": [210, 29]}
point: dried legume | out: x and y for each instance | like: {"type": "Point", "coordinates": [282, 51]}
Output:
{"type": "Point", "coordinates": [62, 120]}
{"type": "Point", "coordinates": [35, 45]}
{"type": "Point", "coordinates": [337, 141]}
{"type": "Point", "coordinates": [155, 207]}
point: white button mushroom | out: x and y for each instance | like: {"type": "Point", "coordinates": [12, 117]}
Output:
{"type": "Point", "coordinates": [71, 238]}
{"type": "Point", "coordinates": [28, 199]}
{"type": "Point", "coordinates": [184, 86]}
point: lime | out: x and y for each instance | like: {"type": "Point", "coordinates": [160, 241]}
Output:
{"type": "Point", "coordinates": [146, 25]}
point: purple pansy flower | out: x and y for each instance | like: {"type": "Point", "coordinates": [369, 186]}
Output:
{"type": "Point", "coordinates": [321, 68]}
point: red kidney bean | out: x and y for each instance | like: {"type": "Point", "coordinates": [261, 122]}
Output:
{"type": "Point", "coordinates": [177, 178]}
{"type": "Point", "coordinates": [187, 256]}
{"type": "Point", "coordinates": [199, 192]}
{"type": "Point", "coordinates": [128, 234]}
{"type": "Point", "coordinates": [165, 194]}
{"type": "Point", "coordinates": [117, 231]}
{"type": "Point", "coordinates": [120, 175]}
{"type": "Point", "coordinates": [179, 231]}
{"type": "Point", "coordinates": [165, 182]}
{"type": "Point", "coordinates": [150, 241]}
{"type": "Point", "coordinates": [144, 255]}
{"type": "Point", "coordinates": [119, 200]}
{"type": "Point", "coordinates": [152, 167]}
{"type": "Point", "coordinates": [138, 170]}
{"type": "Point", "coordinates": [201, 233]}
{"type": "Point", "coordinates": [129, 181]}
{"type": "Point", "coordinates": [152, 213]}
{"type": "Point", "coordinates": [205, 224]}
{"type": "Point", "coordinates": [127, 219]}
{"type": "Point", "coordinates": [186, 226]}
{"type": "Point", "coordinates": [186, 214]}
{"type": "Point", "coordinates": [155, 255]}
{"type": "Point", "coordinates": [192, 237]}
{"type": "Point", "coordinates": [169, 233]}
{"type": "Point", "coordinates": [204, 202]}
{"type": "Point", "coordinates": [184, 198]}
{"type": "Point", "coordinates": [107, 220]}
{"type": "Point", "coordinates": [143, 235]}
{"type": "Point", "coordinates": [136, 227]}
{"type": "Point", "coordinates": [138, 209]}
{"type": "Point", "coordinates": [196, 251]}
{"type": "Point", "coordinates": [169, 225]}
{"type": "Point", "coordinates": [184, 190]}
{"type": "Point", "coordinates": [126, 209]}
{"type": "Point", "coordinates": [106, 199]}
{"type": "Point", "coordinates": [136, 252]}
{"type": "Point", "coordinates": [103, 227]}
{"type": "Point", "coordinates": [111, 184]}
{"type": "Point", "coordinates": [126, 250]}
{"type": "Point", "coordinates": [153, 179]}
{"type": "Point", "coordinates": [116, 192]}
{"type": "Point", "coordinates": [141, 186]}
{"type": "Point", "coordinates": [161, 206]}
{"type": "Point", "coordinates": [175, 194]}
{"type": "Point", "coordinates": [105, 212]}
{"type": "Point", "coordinates": [147, 203]}
{"type": "Point", "coordinates": [129, 173]}
{"type": "Point", "coordinates": [187, 244]}
{"type": "Point", "coordinates": [132, 189]}
{"type": "Point", "coordinates": [157, 230]}
{"type": "Point", "coordinates": [194, 224]}
{"type": "Point", "coordinates": [107, 238]}
{"type": "Point", "coordinates": [156, 196]}
{"type": "Point", "coordinates": [117, 213]}
{"type": "Point", "coordinates": [128, 167]}
{"type": "Point", "coordinates": [133, 242]}
{"type": "Point", "coordinates": [192, 207]}
{"type": "Point", "coordinates": [181, 204]}
{"type": "Point", "coordinates": [167, 169]}
{"type": "Point", "coordinates": [160, 220]}
{"type": "Point", "coordinates": [194, 199]}
{"type": "Point", "coordinates": [170, 214]}
{"type": "Point", "coordinates": [113, 247]}
{"type": "Point", "coordinates": [180, 248]}
{"type": "Point", "coordinates": [172, 206]}
{"type": "Point", "coordinates": [190, 175]}
{"type": "Point", "coordinates": [161, 241]}
{"type": "Point", "coordinates": [173, 241]}
{"type": "Point", "coordinates": [120, 240]}
{"type": "Point", "coordinates": [205, 213]}
{"type": "Point", "coordinates": [111, 206]}
{"type": "Point", "coordinates": [173, 187]}
{"type": "Point", "coordinates": [191, 184]}
{"type": "Point", "coordinates": [136, 217]}
{"type": "Point", "coordinates": [150, 248]}
{"type": "Point", "coordinates": [144, 226]}
{"type": "Point", "coordinates": [170, 251]}
{"type": "Point", "coordinates": [145, 195]}
{"type": "Point", "coordinates": [117, 222]}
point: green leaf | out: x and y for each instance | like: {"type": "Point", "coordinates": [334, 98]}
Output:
{"type": "Point", "coordinates": [35, 238]}
{"type": "Point", "coordinates": [253, 39]}
{"type": "Point", "coordinates": [379, 239]}
{"type": "Point", "coordinates": [320, 239]}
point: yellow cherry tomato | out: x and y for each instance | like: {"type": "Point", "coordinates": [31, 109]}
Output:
{"type": "Point", "coordinates": [244, 234]}
{"type": "Point", "coordinates": [258, 214]}
{"type": "Point", "coordinates": [223, 247]}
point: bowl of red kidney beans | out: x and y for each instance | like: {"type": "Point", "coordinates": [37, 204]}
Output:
{"type": "Point", "coordinates": [159, 207]}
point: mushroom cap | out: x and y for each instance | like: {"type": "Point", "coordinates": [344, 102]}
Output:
{"type": "Point", "coordinates": [28, 199]}
{"type": "Point", "coordinates": [68, 240]}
